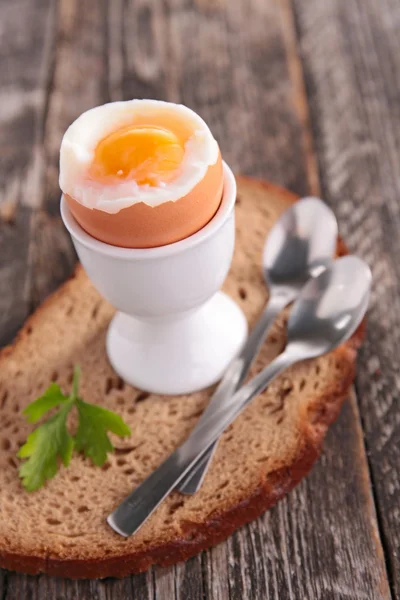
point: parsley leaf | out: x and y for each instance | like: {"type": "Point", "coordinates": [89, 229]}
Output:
{"type": "Point", "coordinates": [43, 447]}
{"type": "Point", "coordinates": [52, 397]}
{"type": "Point", "coordinates": [92, 437]}
{"type": "Point", "coordinates": [52, 441]}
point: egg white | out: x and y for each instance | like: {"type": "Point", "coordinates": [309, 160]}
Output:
{"type": "Point", "coordinates": [80, 141]}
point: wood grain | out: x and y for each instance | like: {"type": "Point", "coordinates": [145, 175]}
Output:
{"type": "Point", "coordinates": [24, 68]}
{"type": "Point", "coordinates": [354, 91]}
{"type": "Point", "coordinates": [237, 64]}
{"type": "Point", "coordinates": [79, 81]}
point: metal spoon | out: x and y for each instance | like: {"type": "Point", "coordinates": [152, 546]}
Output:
{"type": "Point", "coordinates": [327, 312]}
{"type": "Point", "coordinates": [300, 244]}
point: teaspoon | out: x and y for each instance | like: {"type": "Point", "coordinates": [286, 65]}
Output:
{"type": "Point", "coordinates": [299, 246]}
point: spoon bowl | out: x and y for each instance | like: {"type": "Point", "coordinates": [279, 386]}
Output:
{"type": "Point", "coordinates": [296, 249]}
{"type": "Point", "coordinates": [330, 307]}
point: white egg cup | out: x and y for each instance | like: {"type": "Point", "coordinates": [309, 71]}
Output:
{"type": "Point", "coordinates": [174, 332]}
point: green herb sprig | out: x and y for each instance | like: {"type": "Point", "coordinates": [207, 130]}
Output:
{"type": "Point", "coordinates": [51, 441]}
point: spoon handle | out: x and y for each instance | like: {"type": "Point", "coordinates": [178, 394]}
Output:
{"type": "Point", "coordinates": [232, 380]}
{"type": "Point", "coordinates": [140, 504]}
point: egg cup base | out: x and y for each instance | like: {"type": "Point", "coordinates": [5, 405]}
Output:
{"type": "Point", "coordinates": [178, 357]}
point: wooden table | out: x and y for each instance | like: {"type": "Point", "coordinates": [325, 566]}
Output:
{"type": "Point", "coordinates": [305, 93]}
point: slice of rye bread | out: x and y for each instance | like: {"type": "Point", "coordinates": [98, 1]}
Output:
{"type": "Point", "coordinates": [61, 529]}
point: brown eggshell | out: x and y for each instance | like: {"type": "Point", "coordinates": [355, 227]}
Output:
{"type": "Point", "coordinates": [144, 226]}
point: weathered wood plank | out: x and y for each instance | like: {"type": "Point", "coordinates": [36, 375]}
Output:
{"type": "Point", "coordinates": [37, 588]}
{"type": "Point", "coordinates": [188, 580]}
{"type": "Point", "coordinates": [351, 56]}
{"type": "Point", "coordinates": [24, 67]}
{"type": "Point", "coordinates": [141, 587]}
{"type": "Point", "coordinates": [216, 570]}
{"type": "Point", "coordinates": [166, 582]}
{"type": "Point", "coordinates": [239, 79]}
{"type": "Point", "coordinates": [79, 82]}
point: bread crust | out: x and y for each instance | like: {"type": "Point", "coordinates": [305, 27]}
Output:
{"type": "Point", "coordinates": [198, 537]}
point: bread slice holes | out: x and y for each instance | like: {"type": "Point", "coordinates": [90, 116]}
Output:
{"type": "Point", "coordinates": [242, 293]}
{"type": "Point", "coordinates": [129, 471]}
{"type": "Point", "coordinates": [5, 444]}
{"type": "Point", "coordinates": [131, 410]}
{"type": "Point", "coordinates": [268, 404]}
{"type": "Point", "coordinates": [3, 399]}
{"type": "Point", "coordinates": [109, 386]}
{"type": "Point", "coordinates": [302, 385]}
{"type": "Point", "coordinates": [222, 486]}
{"type": "Point", "coordinates": [197, 413]}
{"type": "Point", "coordinates": [54, 376]}
{"type": "Point", "coordinates": [121, 462]}
{"type": "Point", "coordinates": [123, 451]}
{"type": "Point", "coordinates": [194, 415]}
{"type": "Point", "coordinates": [282, 395]}
{"type": "Point", "coordinates": [262, 459]}
{"type": "Point", "coordinates": [114, 384]}
{"type": "Point", "coordinates": [83, 509]}
{"type": "Point", "coordinates": [141, 397]}
{"type": "Point", "coordinates": [95, 311]}
{"type": "Point", "coordinates": [106, 466]}
{"type": "Point", "coordinates": [287, 388]}
{"type": "Point", "coordinates": [176, 506]}
{"type": "Point", "coordinates": [51, 521]}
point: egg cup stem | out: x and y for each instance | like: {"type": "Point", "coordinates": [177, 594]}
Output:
{"type": "Point", "coordinates": [179, 356]}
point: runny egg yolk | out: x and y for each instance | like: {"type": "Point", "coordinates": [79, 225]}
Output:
{"type": "Point", "coordinates": [149, 155]}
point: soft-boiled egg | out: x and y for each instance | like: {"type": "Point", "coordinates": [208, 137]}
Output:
{"type": "Point", "coordinates": [141, 173]}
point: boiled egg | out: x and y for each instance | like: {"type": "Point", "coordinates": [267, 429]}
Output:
{"type": "Point", "coordinates": [141, 173]}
